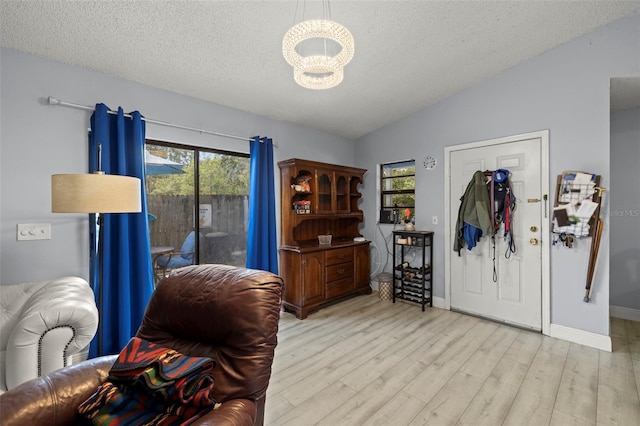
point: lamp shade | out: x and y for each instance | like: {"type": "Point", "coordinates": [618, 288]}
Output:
{"type": "Point", "coordinates": [95, 193]}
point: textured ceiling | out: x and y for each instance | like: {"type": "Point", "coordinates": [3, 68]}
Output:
{"type": "Point", "coordinates": [409, 54]}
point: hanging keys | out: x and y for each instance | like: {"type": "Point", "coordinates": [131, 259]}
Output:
{"type": "Point", "coordinates": [566, 239]}
{"type": "Point", "coordinates": [569, 241]}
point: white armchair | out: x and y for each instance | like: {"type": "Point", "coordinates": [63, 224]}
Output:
{"type": "Point", "coordinates": [42, 325]}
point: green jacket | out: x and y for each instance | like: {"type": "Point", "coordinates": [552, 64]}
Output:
{"type": "Point", "coordinates": [475, 209]}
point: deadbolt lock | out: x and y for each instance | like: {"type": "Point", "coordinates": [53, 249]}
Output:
{"type": "Point", "coordinates": [533, 228]}
{"type": "Point", "coordinates": [533, 241]}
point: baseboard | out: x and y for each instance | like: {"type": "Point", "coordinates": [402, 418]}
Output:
{"type": "Point", "coordinates": [438, 302]}
{"type": "Point", "coordinates": [624, 313]}
{"type": "Point", "coordinates": [581, 337]}
{"type": "Point", "coordinates": [574, 335]}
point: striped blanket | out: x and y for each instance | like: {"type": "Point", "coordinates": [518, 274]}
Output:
{"type": "Point", "coordinates": [152, 385]}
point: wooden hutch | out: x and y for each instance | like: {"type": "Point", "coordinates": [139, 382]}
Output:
{"type": "Point", "coordinates": [317, 199]}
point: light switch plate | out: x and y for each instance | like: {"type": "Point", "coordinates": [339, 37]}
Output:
{"type": "Point", "coordinates": [33, 231]}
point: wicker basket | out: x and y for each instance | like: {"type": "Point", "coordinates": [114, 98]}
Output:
{"type": "Point", "coordinates": [385, 286]}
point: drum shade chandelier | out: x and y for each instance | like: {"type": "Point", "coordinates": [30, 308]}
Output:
{"type": "Point", "coordinates": [319, 70]}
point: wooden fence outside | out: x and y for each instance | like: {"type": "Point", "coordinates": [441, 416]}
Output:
{"type": "Point", "coordinates": [221, 216]}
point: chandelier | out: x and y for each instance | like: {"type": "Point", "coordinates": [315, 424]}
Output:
{"type": "Point", "coordinates": [320, 69]}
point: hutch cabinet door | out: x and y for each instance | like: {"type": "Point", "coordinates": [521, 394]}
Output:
{"type": "Point", "coordinates": [342, 193]}
{"type": "Point", "coordinates": [324, 186]}
{"type": "Point", "coordinates": [313, 278]}
{"type": "Point", "coordinates": [354, 194]}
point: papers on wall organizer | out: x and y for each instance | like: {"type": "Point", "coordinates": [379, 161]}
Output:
{"type": "Point", "coordinates": [568, 220]}
{"type": "Point", "coordinates": [586, 210]}
{"type": "Point", "coordinates": [575, 206]}
{"type": "Point", "coordinates": [561, 215]}
{"type": "Point", "coordinates": [583, 179]}
{"type": "Point", "coordinates": [578, 229]}
{"type": "Point", "coordinates": [574, 193]}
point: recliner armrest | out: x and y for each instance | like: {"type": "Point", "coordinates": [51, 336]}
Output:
{"type": "Point", "coordinates": [235, 412]}
{"type": "Point", "coordinates": [54, 399]}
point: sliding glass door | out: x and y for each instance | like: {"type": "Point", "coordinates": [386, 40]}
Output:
{"type": "Point", "coordinates": [197, 202]}
{"type": "Point", "coordinates": [223, 191]}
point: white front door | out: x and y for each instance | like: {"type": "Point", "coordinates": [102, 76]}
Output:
{"type": "Point", "coordinates": [514, 293]}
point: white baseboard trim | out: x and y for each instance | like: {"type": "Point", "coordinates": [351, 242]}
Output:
{"type": "Point", "coordinates": [624, 313]}
{"type": "Point", "coordinates": [438, 302]}
{"type": "Point", "coordinates": [581, 337]}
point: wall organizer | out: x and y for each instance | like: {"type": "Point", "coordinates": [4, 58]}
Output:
{"type": "Point", "coordinates": [576, 214]}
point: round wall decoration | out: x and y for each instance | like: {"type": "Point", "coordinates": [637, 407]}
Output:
{"type": "Point", "coordinates": [430, 162]}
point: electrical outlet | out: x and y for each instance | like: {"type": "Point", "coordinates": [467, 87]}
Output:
{"type": "Point", "coordinates": [33, 231]}
{"type": "Point", "coordinates": [434, 220]}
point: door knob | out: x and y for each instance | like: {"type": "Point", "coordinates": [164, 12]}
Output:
{"type": "Point", "coordinates": [533, 241]}
{"type": "Point", "coordinates": [533, 228]}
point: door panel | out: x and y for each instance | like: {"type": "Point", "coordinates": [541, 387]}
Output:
{"type": "Point", "coordinates": [325, 201]}
{"type": "Point", "coordinates": [515, 296]}
{"type": "Point", "coordinates": [313, 277]}
{"type": "Point", "coordinates": [473, 268]}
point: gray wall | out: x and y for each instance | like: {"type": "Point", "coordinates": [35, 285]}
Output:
{"type": "Point", "coordinates": [38, 140]}
{"type": "Point", "coordinates": [565, 90]}
{"type": "Point", "coordinates": [624, 209]}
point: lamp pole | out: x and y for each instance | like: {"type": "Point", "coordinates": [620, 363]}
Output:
{"type": "Point", "coordinates": [100, 223]}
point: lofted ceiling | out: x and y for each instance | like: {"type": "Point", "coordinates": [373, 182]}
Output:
{"type": "Point", "coordinates": [409, 54]}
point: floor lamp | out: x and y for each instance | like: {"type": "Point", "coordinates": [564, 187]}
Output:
{"type": "Point", "coordinates": [97, 193]}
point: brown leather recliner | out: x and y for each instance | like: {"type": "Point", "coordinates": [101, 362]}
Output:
{"type": "Point", "coordinates": [226, 313]}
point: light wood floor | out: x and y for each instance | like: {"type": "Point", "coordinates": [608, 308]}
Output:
{"type": "Point", "coordinates": [370, 362]}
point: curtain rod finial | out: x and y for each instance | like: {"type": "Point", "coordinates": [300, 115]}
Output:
{"type": "Point", "coordinates": [53, 101]}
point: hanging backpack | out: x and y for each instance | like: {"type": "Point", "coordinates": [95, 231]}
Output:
{"type": "Point", "coordinates": [502, 202]}
{"type": "Point", "coordinates": [499, 191]}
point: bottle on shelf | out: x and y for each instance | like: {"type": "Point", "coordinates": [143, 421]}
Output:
{"type": "Point", "coordinates": [403, 265]}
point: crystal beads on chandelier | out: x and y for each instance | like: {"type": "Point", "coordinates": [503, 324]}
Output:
{"type": "Point", "coordinates": [318, 71]}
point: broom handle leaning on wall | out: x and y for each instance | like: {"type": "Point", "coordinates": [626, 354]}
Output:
{"type": "Point", "coordinates": [595, 241]}
{"type": "Point", "coordinates": [593, 257]}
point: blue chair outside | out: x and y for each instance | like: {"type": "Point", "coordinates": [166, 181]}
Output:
{"type": "Point", "coordinates": [184, 257]}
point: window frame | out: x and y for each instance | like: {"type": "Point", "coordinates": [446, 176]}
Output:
{"type": "Point", "coordinates": [196, 158]}
{"type": "Point", "coordinates": [386, 212]}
